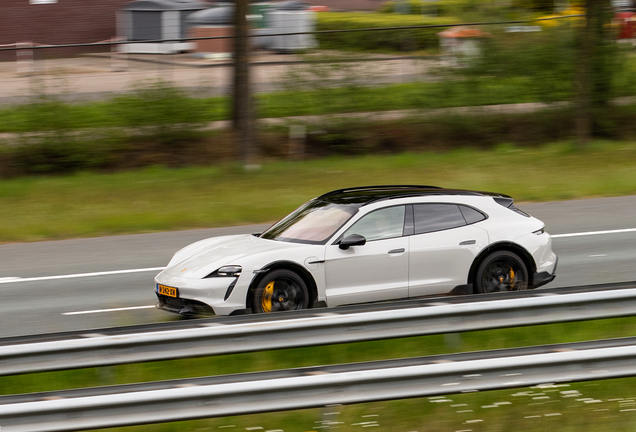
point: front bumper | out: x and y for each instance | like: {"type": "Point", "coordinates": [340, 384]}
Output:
{"type": "Point", "coordinates": [183, 306]}
{"type": "Point", "coordinates": [207, 296]}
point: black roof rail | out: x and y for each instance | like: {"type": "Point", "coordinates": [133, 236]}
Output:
{"type": "Point", "coordinates": [372, 188]}
{"type": "Point", "coordinates": [424, 193]}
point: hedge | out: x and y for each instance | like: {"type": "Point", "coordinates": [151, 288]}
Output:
{"type": "Point", "coordinates": [436, 8]}
{"type": "Point", "coordinates": [380, 40]}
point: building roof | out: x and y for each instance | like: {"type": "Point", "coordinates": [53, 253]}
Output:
{"type": "Point", "coordinates": [163, 5]}
{"type": "Point", "coordinates": [348, 5]}
{"type": "Point", "coordinates": [463, 32]}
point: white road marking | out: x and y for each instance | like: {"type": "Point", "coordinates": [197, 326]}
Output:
{"type": "Point", "coordinates": [107, 310]}
{"type": "Point", "coordinates": [589, 233]}
{"type": "Point", "coordinates": [114, 272]}
{"type": "Point", "coordinates": [598, 255]}
{"type": "Point", "coordinates": [79, 275]}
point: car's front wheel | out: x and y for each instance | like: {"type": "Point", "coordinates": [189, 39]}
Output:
{"type": "Point", "coordinates": [280, 290]}
{"type": "Point", "coordinates": [501, 271]}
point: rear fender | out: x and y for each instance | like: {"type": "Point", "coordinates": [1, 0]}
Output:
{"type": "Point", "coordinates": [528, 260]}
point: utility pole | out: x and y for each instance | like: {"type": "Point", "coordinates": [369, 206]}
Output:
{"type": "Point", "coordinates": [242, 112]}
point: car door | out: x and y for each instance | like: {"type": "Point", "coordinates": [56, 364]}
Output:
{"type": "Point", "coordinates": [375, 271]}
{"type": "Point", "coordinates": [445, 242]}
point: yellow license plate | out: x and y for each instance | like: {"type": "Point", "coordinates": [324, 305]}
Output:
{"type": "Point", "coordinates": [167, 291]}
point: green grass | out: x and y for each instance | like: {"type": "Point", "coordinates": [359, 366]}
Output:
{"type": "Point", "coordinates": [403, 96]}
{"type": "Point", "coordinates": [128, 112]}
{"type": "Point", "coordinates": [159, 199]}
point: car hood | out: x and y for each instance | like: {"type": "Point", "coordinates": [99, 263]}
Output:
{"type": "Point", "coordinates": [204, 257]}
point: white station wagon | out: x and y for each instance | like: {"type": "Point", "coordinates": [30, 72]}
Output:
{"type": "Point", "coordinates": [360, 245]}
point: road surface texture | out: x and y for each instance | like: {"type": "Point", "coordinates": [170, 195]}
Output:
{"type": "Point", "coordinates": [52, 286]}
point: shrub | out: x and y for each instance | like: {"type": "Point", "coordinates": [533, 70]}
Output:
{"type": "Point", "coordinates": [45, 153]}
{"type": "Point", "coordinates": [378, 41]}
{"type": "Point", "coordinates": [437, 8]}
{"type": "Point", "coordinates": [154, 122]}
{"type": "Point", "coordinates": [444, 132]}
{"type": "Point", "coordinates": [545, 5]}
{"type": "Point", "coordinates": [159, 110]}
{"type": "Point", "coordinates": [543, 61]}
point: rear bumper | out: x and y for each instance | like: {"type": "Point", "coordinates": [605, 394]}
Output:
{"type": "Point", "coordinates": [542, 278]}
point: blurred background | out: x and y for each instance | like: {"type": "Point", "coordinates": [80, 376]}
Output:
{"type": "Point", "coordinates": [419, 74]}
{"type": "Point", "coordinates": [149, 116]}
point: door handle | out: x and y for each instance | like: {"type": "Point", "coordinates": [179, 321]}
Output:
{"type": "Point", "coordinates": [468, 242]}
{"type": "Point", "coordinates": [396, 251]}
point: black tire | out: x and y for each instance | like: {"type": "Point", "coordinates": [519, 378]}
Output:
{"type": "Point", "coordinates": [501, 271]}
{"type": "Point", "coordinates": [280, 290]}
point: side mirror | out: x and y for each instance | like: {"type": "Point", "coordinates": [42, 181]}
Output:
{"type": "Point", "coordinates": [352, 240]}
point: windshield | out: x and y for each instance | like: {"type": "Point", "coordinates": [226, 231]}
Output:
{"type": "Point", "coordinates": [314, 222]}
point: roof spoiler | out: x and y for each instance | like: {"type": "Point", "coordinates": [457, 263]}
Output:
{"type": "Point", "coordinates": [505, 201]}
{"type": "Point", "coordinates": [508, 202]}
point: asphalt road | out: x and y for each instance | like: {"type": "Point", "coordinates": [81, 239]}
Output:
{"type": "Point", "coordinates": [102, 282]}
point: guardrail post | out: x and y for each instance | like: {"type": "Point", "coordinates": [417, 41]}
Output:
{"type": "Point", "coordinates": [118, 59]}
{"type": "Point", "coordinates": [24, 58]}
{"type": "Point", "coordinates": [297, 136]}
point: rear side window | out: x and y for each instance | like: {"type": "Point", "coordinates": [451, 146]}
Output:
{"type": "Point", "coordinates": [437, 217]}
{"type": "Point", "coordinates": [471, 215]}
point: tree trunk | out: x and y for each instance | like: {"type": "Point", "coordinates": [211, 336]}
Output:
{"type": "Point", "coordinates": [584, 80]}
{"type": "Point", "coordinates": [594, 68]}
{"type": "Point", "coordinates": [243, 128]}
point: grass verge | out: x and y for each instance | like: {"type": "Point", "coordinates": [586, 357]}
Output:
{"type": "Point", "coordinates": [159, 198]}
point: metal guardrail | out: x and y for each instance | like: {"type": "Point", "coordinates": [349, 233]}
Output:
{"type": "Point", "coordinates": [177, 400]}
{"type": "Point", "coordinates": [314, 327]}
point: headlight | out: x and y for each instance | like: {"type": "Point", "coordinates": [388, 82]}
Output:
{"type": "Point", "coordinates": [229, 271]}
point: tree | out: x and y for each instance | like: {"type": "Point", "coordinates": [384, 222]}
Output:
{"type": "Point", "coordinates": [242, 115]}
{"type": "Point", "coordinates": [594, 68]}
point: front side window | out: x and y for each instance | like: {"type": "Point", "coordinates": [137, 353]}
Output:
{"type": "Point", "coordinates": [380, 224]}
{"type": "Point", "coordinates": [437, 217]}
{"type": "Point", "coordinates": [314, 222]}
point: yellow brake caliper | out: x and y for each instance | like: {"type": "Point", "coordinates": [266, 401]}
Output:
{"type": "Point", "coordinates": [512, 278]}
{"type": "Point", "coordinates": [266, 300]}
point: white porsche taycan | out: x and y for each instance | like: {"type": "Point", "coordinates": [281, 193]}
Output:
{"type": "Point", "coordinates": [364, 244]}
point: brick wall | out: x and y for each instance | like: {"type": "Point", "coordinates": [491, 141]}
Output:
{"type": "Point", "coordinates": [64, 22]}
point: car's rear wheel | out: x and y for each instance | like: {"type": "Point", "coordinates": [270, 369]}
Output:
{"type": "Point", "coordinates": [280, 290]}
{"type": "Point", "coordinates": [501, 271]}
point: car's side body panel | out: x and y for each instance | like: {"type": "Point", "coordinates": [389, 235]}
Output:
{"type": "Point", "coordinates": [374, 272]}
{"type": "Point", "coordinates": [440, 261]}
